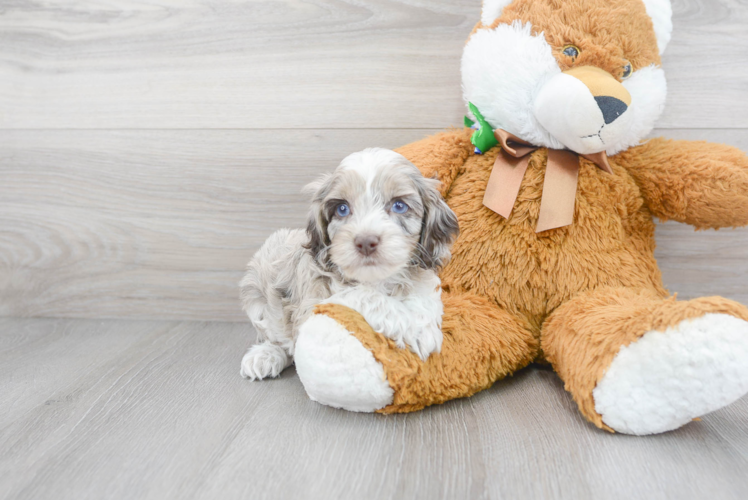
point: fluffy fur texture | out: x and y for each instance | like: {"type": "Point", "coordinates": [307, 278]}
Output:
{"type": "Point", "coordinates": [326, 350]}
{"type": "Point", "coordinates": [575, 295]}
{"type": "Point", "coordinates": [410, 316]}
{"type": "Point", "coordinates": [282, 285]}
{"type": "Point", "coordinates": [492, 9]}
{"type": "Point", "coordinates": [481, 344]}
{"type": "Point", "coordinates": [377, 233]}
{"type": "Point", "coordinates": [665, 379]}
{"type": "Point", "coordinates": [504, 84]}
{"type": "Point", "coordinates": [530, 92]}
{"type": "Point", "coordinates": [583, 336]}
{"type": "Point", "coordinates": [661, 13]}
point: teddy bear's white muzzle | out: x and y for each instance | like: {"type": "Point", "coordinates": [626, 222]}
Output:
{"type": "Point", "coordinates": [586, 115]}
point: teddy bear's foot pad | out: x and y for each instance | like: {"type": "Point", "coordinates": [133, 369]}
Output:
{"type": "Point", "coordinates": [666, 379]}
{"type": "Point", "coordinates": [337, 370]}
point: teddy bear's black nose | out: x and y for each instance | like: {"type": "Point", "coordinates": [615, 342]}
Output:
{"type": "Point", "coordinates": [611, 107]}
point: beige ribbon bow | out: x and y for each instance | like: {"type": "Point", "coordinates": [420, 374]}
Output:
{"type": "Point", "coordinates": [559, 187]}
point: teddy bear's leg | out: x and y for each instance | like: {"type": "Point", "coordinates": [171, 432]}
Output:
{"type": "Point", "coordinates": [343, 363]}
{"type": "Point", "coordinates": [638, 363]}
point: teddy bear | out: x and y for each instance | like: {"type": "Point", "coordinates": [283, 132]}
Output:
{"type": "Point", "coordinates": [556, 188]}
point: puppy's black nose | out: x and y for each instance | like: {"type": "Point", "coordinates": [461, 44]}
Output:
{"type": "Point", "coordinates": [366, 244]}
{"type": "Point", "coordinates": [611, 107]}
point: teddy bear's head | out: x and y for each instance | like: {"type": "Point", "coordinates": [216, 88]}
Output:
{"type": "Point", "coordinates": [578, 74]}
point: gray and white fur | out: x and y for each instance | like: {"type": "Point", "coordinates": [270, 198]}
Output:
{"type": "Point", "coordinates": [377, 234]}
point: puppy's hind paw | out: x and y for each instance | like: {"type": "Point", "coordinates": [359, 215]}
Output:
{"type": "Point", "coordinates": [264, 361]}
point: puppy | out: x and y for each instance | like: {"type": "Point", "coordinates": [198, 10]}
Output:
{"type": "Point", "coordinates": [378, 231]}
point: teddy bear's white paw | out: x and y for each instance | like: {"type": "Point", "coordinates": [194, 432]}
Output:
{"type": "Point", "coordinates": [337, 370]}
{"type": "Point", "coordinates": [263, 361]}
{"type": "Point", "coordinates": [666, 379]}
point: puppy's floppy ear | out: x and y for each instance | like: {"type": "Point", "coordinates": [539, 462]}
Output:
{"type": "Point", "coordinates": [317, 221]}
{"type": "Point", "coordinates": [440, 227]}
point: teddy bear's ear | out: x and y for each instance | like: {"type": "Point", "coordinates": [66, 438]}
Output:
{"type": "Point", "coordinates": [661, 13]}
{"type": "Point", "coordinates": [491, 10]}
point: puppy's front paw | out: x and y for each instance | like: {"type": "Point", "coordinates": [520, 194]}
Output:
{"type": "Point", "coordinates": [263, 361]}
{"type": "Point", "coordinates": [424, 342]}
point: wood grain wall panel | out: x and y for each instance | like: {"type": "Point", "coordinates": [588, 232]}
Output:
{"type": "Point", "coordinates": [302, 64]}
{"type": "Point", "coordinates": [159, 224]}
{"type": "Point", "coordinates": [151, 223]}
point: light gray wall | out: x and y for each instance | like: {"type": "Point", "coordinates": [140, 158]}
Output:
{"type": "Point", "coordinates": [148, 148]}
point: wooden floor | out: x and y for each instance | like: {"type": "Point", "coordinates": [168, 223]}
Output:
{"type": "Point", "coordinates": [152, 410]}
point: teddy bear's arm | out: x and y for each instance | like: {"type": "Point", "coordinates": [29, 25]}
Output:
{"type": "Point", "coordinates": [343, 362]}
{"type": "Point", "coordinates": [699, 183]}
{"type": "Point", "coordinates": [441, 156]}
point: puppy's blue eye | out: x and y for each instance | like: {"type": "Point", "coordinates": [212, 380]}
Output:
{"type": "Point", "coordinates": [399, 207]}
{"type": "Point", "coordinates": [343, 210]}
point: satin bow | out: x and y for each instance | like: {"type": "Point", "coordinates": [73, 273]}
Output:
{"type": "Point", "coordinates": [559, 187]}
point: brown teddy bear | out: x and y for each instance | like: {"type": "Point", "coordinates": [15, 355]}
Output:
{"type": "Point", "coordinates": [555, 190]}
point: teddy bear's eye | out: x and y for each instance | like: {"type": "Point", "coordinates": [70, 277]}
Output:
{"type": "Point", "coordinates": [571, 51]}
{"type": "Point", "coordinates": [627, 70]}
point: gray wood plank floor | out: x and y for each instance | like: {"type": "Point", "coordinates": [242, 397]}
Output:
{"type": "Point", "coordinates": [152, 410]}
